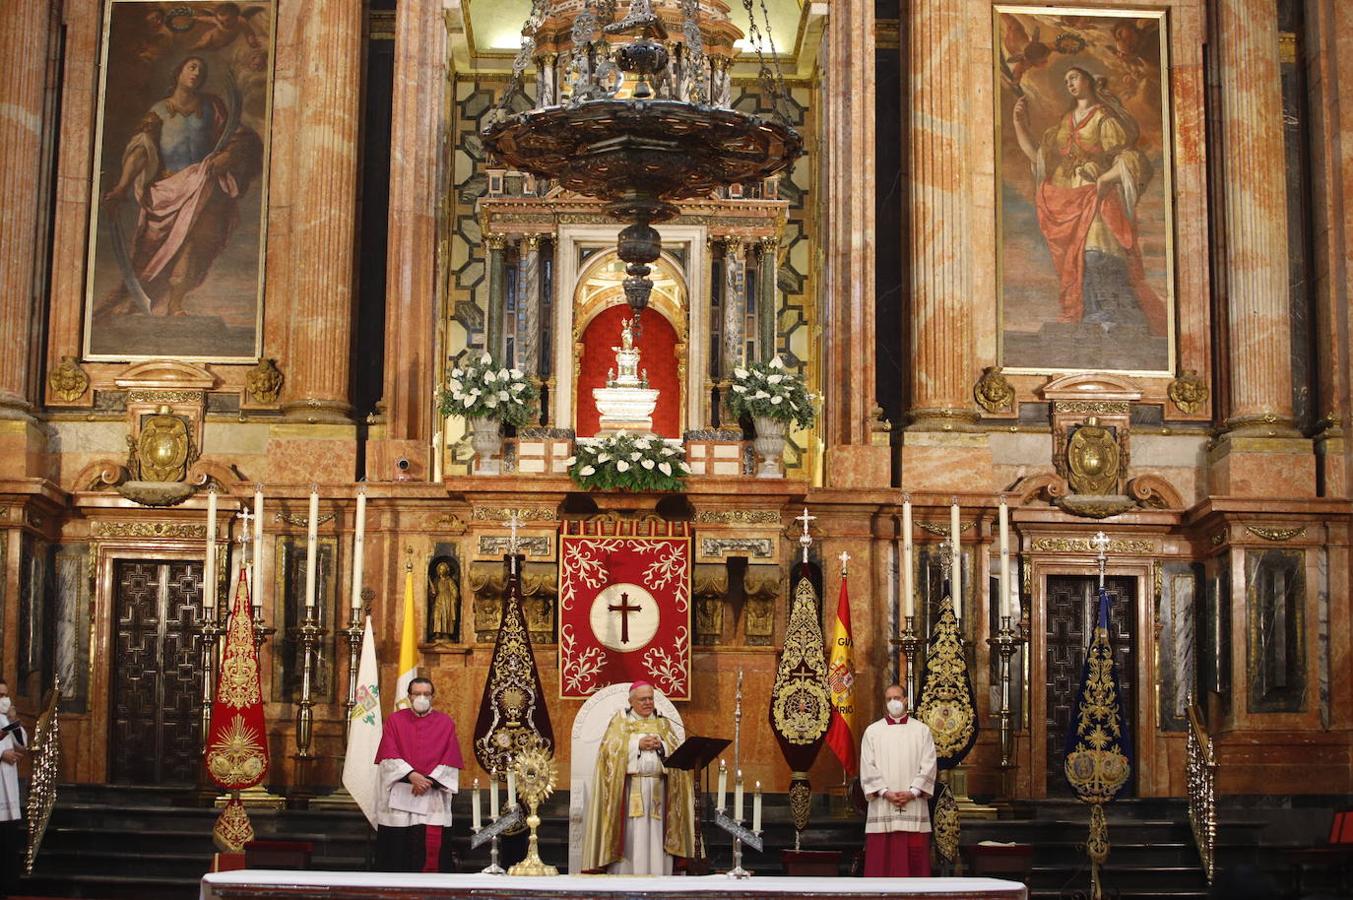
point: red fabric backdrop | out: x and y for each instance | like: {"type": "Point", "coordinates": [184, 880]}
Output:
{"type": "Point", "coordinates": [657, 353]}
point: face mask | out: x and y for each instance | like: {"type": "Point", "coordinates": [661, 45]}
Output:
{"type": "Point", "coordinates": [895, 708]}
{"type": "Point", "coordinates": [422, 704]}
{"type": "Point", "coordinates": [5, 704]}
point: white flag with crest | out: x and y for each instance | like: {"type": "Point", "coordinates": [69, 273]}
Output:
{"type": "Point", "coordinates": [361, 775]}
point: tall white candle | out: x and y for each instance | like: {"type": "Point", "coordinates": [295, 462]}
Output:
{"type": "Point", "coordinates": [209, 576]}
{"type": "Point", "coordinates": [908, 586]}
{"type": "Point", "coordinates": [258, 546]}
{"type": "Point", "coordinates": [474, 807]}
{"type": "Point", "coordinates": [493, 798]}
{"type": "Point", "coordinates": [737, 797]}
{"type": "Point", "coordinates": [359, 552]}
{"type": "Point", "coordinates": [756, 809]}
{"type": "Point", "coordinates": [956, 566]}
{"type": "Point", "coordinates": [311, 538]}
{"type": "Point", "coordinates": [511, 789]}
{"type": "Point", "coordinates": [1005, 560]}
{"type": "Point", "coordinates": [723, 785]}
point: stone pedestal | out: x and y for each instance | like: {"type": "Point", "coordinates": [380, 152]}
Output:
{"type": "Point", "coordinates": [1244, 466]}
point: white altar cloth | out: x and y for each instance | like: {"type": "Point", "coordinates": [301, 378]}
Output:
{"type": "Point", "coordinates": [262, 882]}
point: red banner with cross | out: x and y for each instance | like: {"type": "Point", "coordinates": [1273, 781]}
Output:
{"type": "Point", "coordinates": [624, 606]}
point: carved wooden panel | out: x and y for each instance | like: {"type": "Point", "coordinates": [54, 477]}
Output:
{"type": "Point", "coordinates": [1070, 620]}
{"type": "Point", "coordinates": [157, 680]}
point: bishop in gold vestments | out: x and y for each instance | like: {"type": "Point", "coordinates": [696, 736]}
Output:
{"type": "Point", "coordinates": [640, 814]}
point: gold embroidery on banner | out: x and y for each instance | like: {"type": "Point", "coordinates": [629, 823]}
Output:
{"type": "Point", "coordinates": [946, 694]}
{"type": "Point", "coordinates": [800, 699]}
{"type": "Point", "coordinates": [1096, 765]}
{"type": "Point", "coordinates": [237, 757]}
{"type": "Point", "coordinates": [946, 825]}
{"type": "Point", "coordinates": [232, 829]}
{"type": "Point", "coordinates": [800, 801]}
{"type": "Point", "coordinates": [239, 671]}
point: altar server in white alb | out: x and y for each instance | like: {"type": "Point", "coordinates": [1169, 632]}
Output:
{"type": "Point", "coordinates": [13, 746]}
{"type": "Point", "coordinates": [897, 774]}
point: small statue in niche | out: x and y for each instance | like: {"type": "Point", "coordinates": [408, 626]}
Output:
{"type": "Point", "coordinates": [444, 600]}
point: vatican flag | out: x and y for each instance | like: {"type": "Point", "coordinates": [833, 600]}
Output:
{"type": "Point", "coordinates": [361, 775]}
{"type": "Point", "coordinates": [408, 645]}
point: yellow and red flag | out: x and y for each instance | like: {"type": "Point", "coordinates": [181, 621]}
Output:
{"type": "Point", "coordinates": [841, 681]}
{"type": "Point", "coordinates": [237, 739]}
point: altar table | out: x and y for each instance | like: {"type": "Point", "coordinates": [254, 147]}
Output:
{"type": "Point", "coordinates": [245, 884]}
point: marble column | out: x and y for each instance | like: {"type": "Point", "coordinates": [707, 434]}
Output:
{"type": "Point", "coordinates": [528, 307]}
{"type": "Point", "coordinates": [734, 306]}
{"type": "Point", "coordinates": [1329, 75]}
{"type": "Point", "coordinates": [1261, 454]}
{"type": "Point", "coordinates": [493, 319]}
{"type": "Point", "coordinates": [941, 255]}
{"type": "Point", "coordinates": [24, 33]}
{"type": "Point", "coordinates": [1255, 194]}
{"type": "Point", "coordinates": [325, 215]}
{"type": "Point", "coordinates": [768, 298]}
{"type": "Point", "coordinates": [852, 461]}
{"type": "Point", "coordinates": [411, 273]}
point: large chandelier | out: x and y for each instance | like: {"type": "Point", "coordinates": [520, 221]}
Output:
{"type": "Point", "coordinates": [637, 112]}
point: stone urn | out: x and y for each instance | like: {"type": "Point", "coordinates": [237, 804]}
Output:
{"type": "Point", "coordinates": [487, 440]}
{"type": "Point", "coordinates": [770, 446]}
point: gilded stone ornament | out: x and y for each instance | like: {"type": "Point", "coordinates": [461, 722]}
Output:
{"type": "Point", "coordinates": [993, 391]}
{"type": "Point", "coordinates": [264, 384]}
{"type": "Point", "coordinates": [187, 530]}
{"type": "Point", "coordinates": [1188, 392]}
{"type": "Point", "coordinates": [1128, 546]}
{"type": "Point", "coordinates": [738, 517]}
{"type": "Point", "coordinates": [162, 451]}
{"type": "Point", "coordinates": [1093, 460]}
{"type": "Point", "coordinates": [68, 382]}
{"type": "Point", "coordinates": [1277, 535]}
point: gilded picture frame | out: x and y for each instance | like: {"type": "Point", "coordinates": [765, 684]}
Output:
{"type": "Point", "coordinates": [1085, 217]}
{"type": "Point", "coordinates": [178, 214]}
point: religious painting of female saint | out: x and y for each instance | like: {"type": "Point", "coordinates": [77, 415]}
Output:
{"type": "Point", "coordinates": [179, 207]}
{"type": "Point", "coordinates": [1085, 217]}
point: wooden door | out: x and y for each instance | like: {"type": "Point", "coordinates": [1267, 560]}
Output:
{"type": "Point", "coordinates": [156, 702]}
{"type": "Point", "coordinates": [1071, 611]}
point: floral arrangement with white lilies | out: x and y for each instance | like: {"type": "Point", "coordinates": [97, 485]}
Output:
{"type": "Point", "coordinates": [767, 390]}
{"type": "Point", "coordinates": [481, 389]}
{"type": "Point", "coordinates": [629, 462]}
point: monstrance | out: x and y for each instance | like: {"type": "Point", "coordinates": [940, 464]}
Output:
{"type": "Point", "coordinates": [535, 783]}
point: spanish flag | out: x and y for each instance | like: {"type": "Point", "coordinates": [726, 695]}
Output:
{"type": "Point", "coordinates": [408, 644]}
{"type": "Point", "coordinates": [841, 679]}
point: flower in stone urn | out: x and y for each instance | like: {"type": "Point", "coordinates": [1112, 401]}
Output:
{"type": "Point", "coordinates": [487, 395]}
{"type": "Point", "coordinates": [774, 399]}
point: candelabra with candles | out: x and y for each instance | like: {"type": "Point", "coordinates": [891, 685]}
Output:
{"type": "Point", "coordinates": [910, 641]}
{"type": "Point", "coordinates": [1006, 641]}
{"type": "Point", "coordinates": [481, 833]}
{"type": "Point", "coordinates": [733, 825]}
{"type": "Point", "coordinates": [213, 626]}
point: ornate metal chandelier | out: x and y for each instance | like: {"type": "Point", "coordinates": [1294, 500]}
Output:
{"type": "Point", "coordinates": [639, 114]}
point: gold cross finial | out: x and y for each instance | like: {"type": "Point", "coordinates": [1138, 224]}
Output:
{"type": "Point", "coordinates": [845, 558]}
{"type": "Point", "coordinates": [805, 539]}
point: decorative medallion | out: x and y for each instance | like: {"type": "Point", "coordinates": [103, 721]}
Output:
{"type": "Point", "coordinates": [800, 697]}
{"type": "Point", "coordinates": [1188, 392]}
{"type": "Point", "coordinates": [264, 384]}
{"type": "Point", "coordinates": [1276, 535]}
{"type": "Point", "coordinates": [162, 451]}
{"type": "Point", "coordinates": [512, 712]}
{"type": "Point", "coordinates": [947, 702]}
{"type": "Point", "coordinates": [993, 391]}
{"type": "Point", "coordinates": [1093, 460]}
{"type": "Point", "coordinates": [68, 382]}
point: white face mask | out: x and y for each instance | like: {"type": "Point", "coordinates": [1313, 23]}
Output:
{"type": "Point", "coordinates": [895, 708]}
{"type": "Point", "coordinates": [5, 704]}
{"type": "Point", "coordinates": [422, 704]}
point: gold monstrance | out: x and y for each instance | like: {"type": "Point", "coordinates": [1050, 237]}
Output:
{"type": "Point", "coordinates": [535, 782]}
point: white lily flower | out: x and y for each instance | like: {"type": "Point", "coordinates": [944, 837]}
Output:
{"type": "Point", "coordinates": [474, 392]}
{"type": "Point", "coordinates": [776, 378]}
{"type": "Point", "coordinates": [570, 461]}
{"type": "Point", "coordinates": [647, 464]}
{"type": "Point", "coordinates": [634, 457]}
{"type": "Point", "coordinates": [668, 451]}
{"type": "Point", "coordinates": [741, 389]}
{"type": "Point", "coordinates": [517, 386]}
{"type": "Point", "coordinates": [776, 401]}
{"type": "Point", "coordinates": [486, 359]}
{"type": "Point", "coordinates": [664, 468]}
{"type": "Point", "coordinates": [740, 373]}
{"type": "Point", "coordinates": [502, 395]}
{"type": "Point", "coordinates": [760, 395]}
{"type": "Point", "coordinates": [502, 373]}
{"type": "Point", "coordinates": [684, 468]}
{"type": "Point", "coordinates": [586, 471]}
{"type": "Point", "coordinates": [644, 444]}
{"type": "Point", "coordinates": [603, 457]}
{"type": "Point", "coordinates": [516, 373]}
{"type": "Point", "coordinates": [490, 376]}
{"type": "Point", "coordinates": [458, 396]}
{"type": "Point", "coordinates": [621, 466]}
{"type": "Point", "coordinates": [490, 400]}
{"type": "Point", "coordinates": [776, 363]}
{"type": "Point", "coordinates": [455, 385]}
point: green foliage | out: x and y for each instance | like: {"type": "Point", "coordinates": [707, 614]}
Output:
{"type": "Point", "coordinates": [767, 389]}
{"type": "Point", "coordinates": [628, 462]}
{"type": "Point", "coordinates": [481, 389]}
